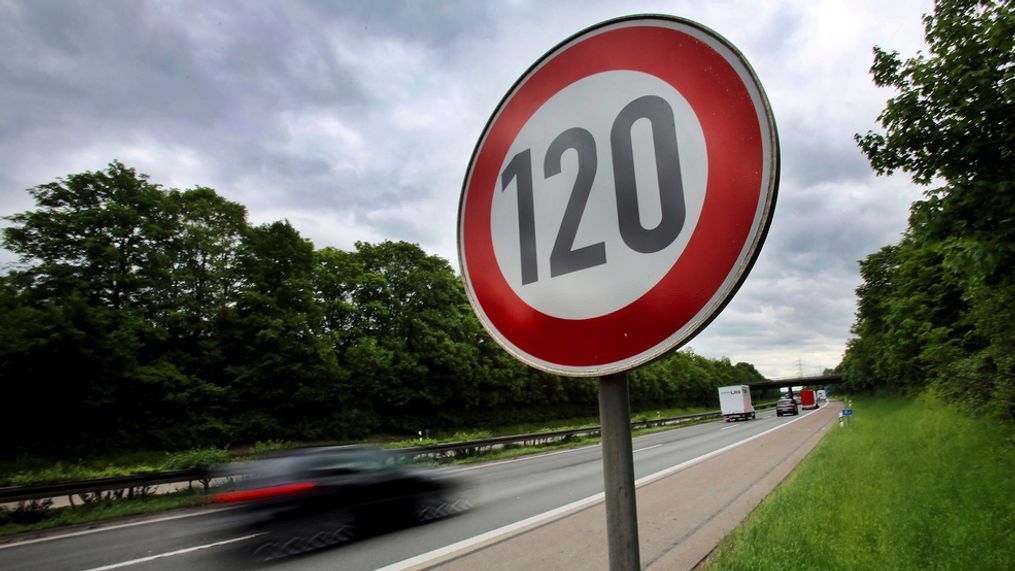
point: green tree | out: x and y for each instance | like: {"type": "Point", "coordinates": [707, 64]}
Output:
{"type": "Point", "coordinates": [203, 252]}
{"type": "Point", "coordinates": [99, 233]}
{"type": "Point", "coordinates": [98, 258]}
{"type": "Point", "coordinates": [412, 341]}
{"type": "Point", "coordinates": [937, 311]}
{"type": "Point", "coordinates": [282, 374]}
{"type": "Point", "coordinates": [952, 125]}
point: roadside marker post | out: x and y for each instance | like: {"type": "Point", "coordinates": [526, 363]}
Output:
{"type": "Point", "coordinates": [614, 203]}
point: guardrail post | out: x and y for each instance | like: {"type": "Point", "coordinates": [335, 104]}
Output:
{"type": "Point", "coordinates": [618, 473]}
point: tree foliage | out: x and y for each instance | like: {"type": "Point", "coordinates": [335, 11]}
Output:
{"type": "Point", "coordinates": [936, 307]}
{"type": "Point", "coordinates": [150, 317]}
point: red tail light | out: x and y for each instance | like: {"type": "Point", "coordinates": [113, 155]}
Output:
{"type": "Point", "coordinates": [263, 493]}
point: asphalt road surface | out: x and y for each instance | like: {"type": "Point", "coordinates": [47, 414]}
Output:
{"type": "Point", "coordinates": [509, 495]}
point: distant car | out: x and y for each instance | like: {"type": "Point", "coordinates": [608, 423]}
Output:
{"type": "Point", "coordinates": [316, 497]}
{"type": "Point", "coordinates": [787, 405]}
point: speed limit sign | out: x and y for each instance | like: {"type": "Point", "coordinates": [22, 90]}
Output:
{"type": "Point", "coordinates": [618, 196]}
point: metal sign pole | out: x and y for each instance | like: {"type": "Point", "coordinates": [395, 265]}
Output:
{"type": "Point", "coordinates": [618, 473]}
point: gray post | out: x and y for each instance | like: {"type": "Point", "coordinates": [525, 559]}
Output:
{"type": "Point", "coordinates": [618, 473]}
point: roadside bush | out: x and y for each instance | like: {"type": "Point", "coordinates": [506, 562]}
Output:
{"type": "Point", "coordinates": [199, 458]}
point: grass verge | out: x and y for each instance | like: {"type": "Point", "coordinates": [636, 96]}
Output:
{"type": "Point", "coordinates": [909, 484]}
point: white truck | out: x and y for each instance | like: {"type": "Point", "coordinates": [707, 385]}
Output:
{"type": "Point", "coordinates": [735, 402]}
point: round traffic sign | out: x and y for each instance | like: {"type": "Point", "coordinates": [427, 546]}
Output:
{"type": "Point", "coordinates": [618, 196]}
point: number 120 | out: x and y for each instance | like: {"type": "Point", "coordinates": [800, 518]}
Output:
{"type": "Point", "coordinates": [564, 259]}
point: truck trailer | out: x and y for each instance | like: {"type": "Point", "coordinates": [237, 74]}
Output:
{"type": "Point", "coordinates": [735, 402]}
{"type": "Point", "coordinates": [808, 399]}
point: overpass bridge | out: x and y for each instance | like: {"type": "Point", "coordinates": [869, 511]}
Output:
{"type": "Point", "coordinates": [818, 380]}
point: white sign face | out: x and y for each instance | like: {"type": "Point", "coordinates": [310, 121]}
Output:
{"type": "Point", "coordinates": [618, 196]}
{"type": "Point", "coordinates": [621, 275]}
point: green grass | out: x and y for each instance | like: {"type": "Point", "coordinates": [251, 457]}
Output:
{"type": "Point", "coordinates": [909, 484]}
{"type": "Point", "coordinates": [12, 522]}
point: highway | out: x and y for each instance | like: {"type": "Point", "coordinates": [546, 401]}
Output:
{"type": "Point", "coordinates": [506, 492]}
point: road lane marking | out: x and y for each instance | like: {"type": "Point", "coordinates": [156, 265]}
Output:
{"type": "Point", "coordinates": [647, 448]}
{"type": "Point", "coordinates": [523, 458]}
{"type": "Point", "coordinates": [573, 506]}
{"type": "Point", "coordinates": [172, 553]}
{"type": "Point", "coordinates": [112, 527]}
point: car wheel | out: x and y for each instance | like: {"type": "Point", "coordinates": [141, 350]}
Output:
{"type": "Point", "coordinates": [440, 505]}
{"type": "Point", "coordinates": [432, 506]}
{"type": "Point", "coordinates": [341, 529]}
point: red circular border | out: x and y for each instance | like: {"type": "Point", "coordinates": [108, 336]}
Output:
{"type": "Point", "coordinates": [730, 122]}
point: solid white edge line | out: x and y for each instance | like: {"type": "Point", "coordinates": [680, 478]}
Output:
{"type": "Point", "coordinates": [172, 553]}
{"type": "Point", "coordinates": [539, 518]}
{"type": "Point", "coordinates": [111, 528]}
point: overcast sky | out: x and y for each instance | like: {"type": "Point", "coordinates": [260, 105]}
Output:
{"type": "Point", "coordinates": [356, 120]}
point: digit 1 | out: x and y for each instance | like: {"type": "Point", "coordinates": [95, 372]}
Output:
{"type": "Point", "coordinates": [520, 170]}
{"type": "Point", "coordinates": [564, 259]}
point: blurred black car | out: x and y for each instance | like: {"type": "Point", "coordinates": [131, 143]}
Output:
{"type": "Point", "coordinates": [315, 497]}
{"type": "Point", "coordinates": [787, 405]}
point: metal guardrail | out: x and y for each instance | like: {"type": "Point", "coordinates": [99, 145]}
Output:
{"type": "Point", "coordinates": [94, 485]}
{"type": "Point", "coordinates": [10, 494]}
{"type": "Point", "coordinates": [436, 451]}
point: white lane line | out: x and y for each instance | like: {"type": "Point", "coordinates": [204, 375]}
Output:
{"type": "Point", "coordinates": [172, 553]}
{"type": "Point", "coordinates": [112, 527]}
{"type": "Point", "coordinates": [539, 518]}
{"type": "Point", "coordinates": [521, 459]}
{"type": "Point", "coordinates": [646, 448]}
